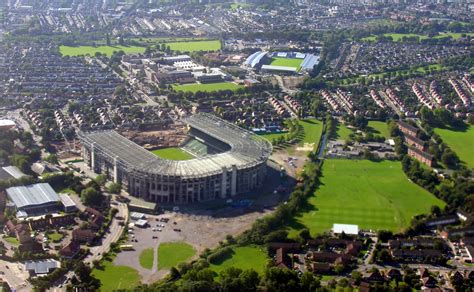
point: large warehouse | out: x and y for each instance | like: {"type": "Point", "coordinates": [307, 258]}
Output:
{"type": "Point", "coordinates": [228, 161]}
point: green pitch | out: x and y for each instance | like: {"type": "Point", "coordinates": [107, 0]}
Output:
{"type": "Point", "coordinates": [172, 153]}
{"type": "Point", "coordinates": [195, 46]}
{"type": "Point", "coordinates": [172, 253]}
{"type": "Point", "coordinates": [286, 62]}
{"type": "Point", "coordinates": [461, 142]}
{"type": "Point", "coordinates": [373, 195]}
{"type": "Point", "coordinates": [244, 257]}
{"type": "Point", "coordinates": [146, 258]}
{"type": "Point", "coordinates": [114, 277]}
{"type": "Point", "coordinates": [207, 87]}
{"type": "Point", "coordinates": [90, 50]}
{"type": "Point", "coordinates": [378, 128]}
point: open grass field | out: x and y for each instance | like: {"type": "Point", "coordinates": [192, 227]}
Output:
{"type": "Point", "coordinates": [399, 36]}
{"type": "Point", "coordinates": [207, 87]}
{"type": "Point", "coordinates": [114, 277]}
{"type": "Point", "coordinates": [172, 153]}
{"type": "Point", "coordinates": [195, 46]}
{"type": "Point", "coordinates": [373, 195]}
{"type": "Point", "coordinates": [312, 129]}
{"type": "Point", "coordinates": [286, 62]}
{"type": "Point", "coordinates": [462, 142]}
{"type": "Point", "coordinates": [454, 35]}
{"type": "Point", "coordinates": [343, 132]}
{"type": "Point", "coordinates": [11, 240]}
{"type": "Point", "coordinates": [55, 236]}
{"type": "Point", "coordinates": [90, 50]}
{"type": "Point", "coordinates": [378, 128]}
{"type": "Point", "coordinates": [172, 253]}
{"type": "Point", "coordinates": [244, 257]}
{"type": "Point", "coordinates": [146, 258]}
{"type": "Point", "coordinates": [272, 136]}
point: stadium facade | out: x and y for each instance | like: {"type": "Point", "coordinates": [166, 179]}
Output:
{"type": "Point", "coordinates": [236, 165]}
{"type": "Point", "coordinates": [260, 59]}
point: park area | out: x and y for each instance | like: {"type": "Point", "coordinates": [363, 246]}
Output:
{"type": "Point", "coordinates": [460, 141]}
{"type": "Point", "coordinates": [286, 62]}
{"type": "Point", "coordinates": [114, 277]}
{"type": "Point", "coordinates": [378, 128]}
{"type": "Point", "coordinates": [243, 257]}
{"type": "Point", "coordinates": [172, 153]}
{"type": "Point", "coordinates": [170, 254]}
{"type": "Point", "coordinates": [373, 195]}
{"type": "Point", "coordinates": [195, 46]}
{"type": "Point", "coordinates": [207, 87]}
{"type": "Point", "coordinates": [91, 50]}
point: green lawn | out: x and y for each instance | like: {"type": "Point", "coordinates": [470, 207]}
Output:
{"type": "Point", "coordinates": [373, 195]}
{"type": "Point", "coordinates": [462, 142]}
{"type": "Point", "coordinates": [272, 136]}
{"type": "Point", "coordinates": [90, 50]}
{"type": "Point", "coordinates": [114, 277]}
{"type": "Point", "coordinates": [172, 153]}
{"type": "Point", "coordinates": [399, 36]}
{"type": "Point", "coordinates": [172, 253]}
{"type": "Point", "coordinates": [343, 132]}
{"type": "Point", "coordinates": [312, 131]}
{"type": "Point", "coordinates": [195, 46]}
{"type": "Point", "coordinates": [378, 128]}
{"type": "Point", "coordinates": [244, 257]}
{"type": "Point", "coordinates": [11, 240]}
{"type": "Point", "coordinates": [207, 87]}
{"type": "Point", "coordinates": [454, 35]}
{"type": "Point", "coordinates": [146, 258]}
{"type": "Point", "coordinates": [55, 236]}
{"type": "Point", "coordinates": [286, 62]}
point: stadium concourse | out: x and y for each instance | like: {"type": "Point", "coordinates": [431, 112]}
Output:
{"type": "Point", "coordinates": [235, 163]}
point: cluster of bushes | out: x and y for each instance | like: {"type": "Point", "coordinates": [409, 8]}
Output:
{"type": "Point", "coordinates": [220, 254]}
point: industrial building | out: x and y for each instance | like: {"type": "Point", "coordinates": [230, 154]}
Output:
{"type": "Point", "coordinates": [228, 161]}
{"type": "Point", "coordinates": [35, 200]}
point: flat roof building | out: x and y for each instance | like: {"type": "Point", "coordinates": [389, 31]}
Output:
{"type": "Point", "coordinates": [37, 199]}
{"type": "Point", "coordinates": [346, 228]}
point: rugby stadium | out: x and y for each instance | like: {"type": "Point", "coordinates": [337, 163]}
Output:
{"type": "Point", "coordinates": [281, 62]}
{"type": "Point", "coordinates": [228, 161]}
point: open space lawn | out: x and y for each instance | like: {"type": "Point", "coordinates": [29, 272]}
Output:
{"type": "Point", "coordinates": [114, 277]}
{"type": "Point", "coordinates": [55, 236]}
{"type": "Point", "coordinates": [172, 253]}
{"type": "Point", "coordinates": [343, 132]}
{"type": "Point", "coordinates": [461, 141]}
{"type": "Point", "coordinates": [146, 258]}
{"type": "Point", "coordinates": [172, 153]}
{"type": "Point", "coordinates": [373, 195]}
{"type": "Point", "coordinates": [11, 240]}
{"type": "Point", "coordinates": [107, 50]}
{"type": "Point", "coordinates": [272, 136]}
{"type": "Point", "coordinates": [207, 87]}
{"type": "Point", "coordinates": [244, 257]}
{"type": "Point", "coordinates": [312, 129]}
{"type": "Point", "coordinates": [378, 128]}
{"type": "Point", "coordinates": [286, 62]}
{"type": "Point", "coordinates": [195, 46]}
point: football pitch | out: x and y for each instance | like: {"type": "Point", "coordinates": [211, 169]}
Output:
{"type": "Point", "coordinates": [207, 87]}
{"type": "Point", "coordinates": [172, 153]}
{"type": "Point", "coordinates": [373, 195]}
{"type": "Point", "coordinates": [286, 62]}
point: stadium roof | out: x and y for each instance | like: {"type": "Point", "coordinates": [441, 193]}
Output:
{"type": "Point", "coordinates": [254, 59]}
{"type": "Point", "coordinates": [279, 68]}
{"type": "Point", "coordinates": [32, 195]}
{"type": "Point", "coordinates": [346, 228]}
{"type": "Point", "coordinates": [247, 149]}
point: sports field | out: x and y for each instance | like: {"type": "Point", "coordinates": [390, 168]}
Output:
{"type": "Point", "coordinates": [172, 153]}
{"type": "Point", "coordinates": [378, 128]}
{"type": "Point", "coordinates": [373, 195]}
{"type": "Point", "coordinates": [207, 87]}
{"type": "Point", "coordinates": [244, 257]}
{"type": "Point", "coordinates": [90, 50]}
{"type": "Point", "coordinates": [461, 141]}
{"type": "Point", "coordinates": [172, 253]}
{"type": "Point", "coordinates": [114, 277]}
{"type": "Point", "coordinates": [146, 258]}
{"type": "Point", "coordinates": [195, 46]}
{"type": "Point", "coordinates": [286, 62]}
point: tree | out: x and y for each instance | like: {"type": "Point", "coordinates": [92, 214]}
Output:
{"type": "Point", "coordinates": [100, 179]}
{"type": "Point", "coordinates": [309, 282]}
{"type": "Point", "coordinates": [304, 234]}
{"type": "Point", "coordinates": [281, 279]}
{"type": "Point", "coordinates": [91, 197]}
{"type": "Point", "coordinates": [450, 158]}
{"type": "Point", "coordinates": [52, 158]}
{"type": "Point", "coordinates": [114, 188]}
